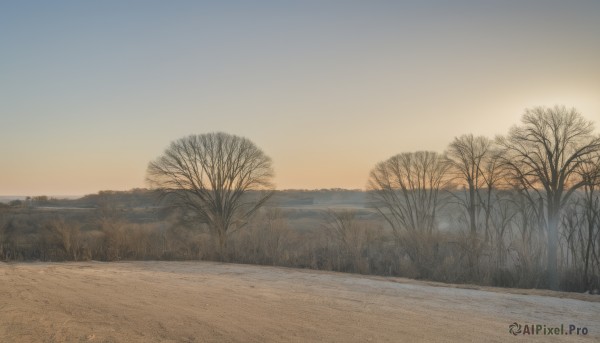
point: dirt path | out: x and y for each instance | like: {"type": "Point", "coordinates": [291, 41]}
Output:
{"type": "Point", "coordinates": [203, 301]}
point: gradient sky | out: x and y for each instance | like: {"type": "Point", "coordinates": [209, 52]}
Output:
{"type": "Point", "coordinates": [91, 91]}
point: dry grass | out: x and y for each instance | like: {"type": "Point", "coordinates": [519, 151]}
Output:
{"type": "Point", "coordinates": [216, 302]}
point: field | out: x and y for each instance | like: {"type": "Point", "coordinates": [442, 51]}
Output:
{"type": "Point", "coordinates": [216, 302]}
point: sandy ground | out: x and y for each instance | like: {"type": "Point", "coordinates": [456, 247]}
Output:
{"type": "Point", "coordinates": [214, 302]}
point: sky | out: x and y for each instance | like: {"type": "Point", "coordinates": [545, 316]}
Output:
{"type": "Point", "coordinates": [92, 91]}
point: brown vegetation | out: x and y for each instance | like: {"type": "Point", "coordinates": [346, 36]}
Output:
{"type": "Point", "coordinates": [482, 213]}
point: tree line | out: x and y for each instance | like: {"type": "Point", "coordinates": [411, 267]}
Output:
{"type": "Point", "coordinates": [519, 210]}
{"type": "Point", "coordinates": [532, 193]}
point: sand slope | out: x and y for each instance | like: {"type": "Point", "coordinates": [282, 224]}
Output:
{"type": "Point", "coordinates": [214, 302]}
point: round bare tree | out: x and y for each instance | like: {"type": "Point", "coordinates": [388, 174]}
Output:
{"type": "Point", "coordinates": [217, 179]}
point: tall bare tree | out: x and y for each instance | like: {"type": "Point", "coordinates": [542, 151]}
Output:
{"type": "Point", "coordinates": [590, 230]}
{"type": "Point", "coordinates": [492, 174]}
{"type": "Point", "coordinates": [474, 166]}
{"type": "Point", "coordinates": [406, 193]}
{"type": "Point", "coordinates": [468, 157]}
{"type": "Point", "coordinates": [543, 155]}
{"type": "Point", "coordinates": [212, 178]}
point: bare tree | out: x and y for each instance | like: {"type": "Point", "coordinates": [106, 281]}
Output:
{"type": "Point", "coordinates": [474, 166]}
{"type": "Point", "coordinates": [590, 230]}
{"type": "Point", "coordinates": [501, 217]}
{"type": "Point", "coordinates": [406, 193]}
{"type": "Point", "coordinates": [211, 178]}
{"type": "Point", "coordinates": [468, 157]}
{"type": "Point", "coordinates": [406, 189]}
{"type": "Point", "coordinates": [492, 174]}
{"type": "Point", "coordinates": [528, 238]}
{"type": "Point", "coordinates": [542, 155]}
